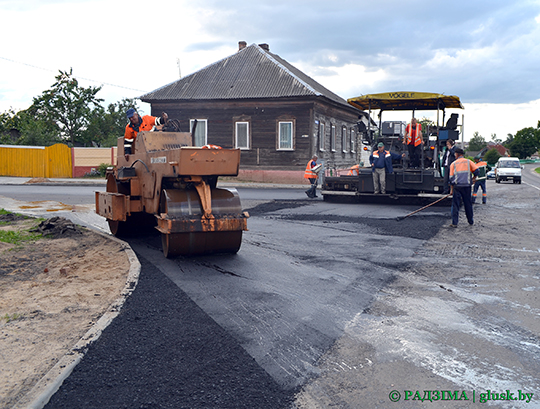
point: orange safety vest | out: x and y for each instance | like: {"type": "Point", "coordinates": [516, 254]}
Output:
{"type": "Point", "coordinates": [355, 170]}
{"type": "Point", "coordinates": [415, 134]}
{"type": "Point", "coordinates": [211, 147]}
{"type": "Point", "coordinates": [461, 172]}
{"type": "Point", "coordinates": [309, 174]}
{"type": "Point", "coordinates": [148, 122]}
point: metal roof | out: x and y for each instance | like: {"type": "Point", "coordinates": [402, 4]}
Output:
{"type": "Point", "coordinates": [250, 73]}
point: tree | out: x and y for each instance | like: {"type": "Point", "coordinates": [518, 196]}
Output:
{"type": "Point", "coordinates": [23, 128]}
{"type": "Point", "coordinates": [525, 142]}
{"type": "Point", "coordinates": [495, 139]}
{"type": "Point", "coordinates": [477, 142]}
{"type": "Point", "coordinates": [105, 126]}
{"type": "Point", "coordinates": [492, 156]}
{"type": "Point", "coordinates": [68, 105]}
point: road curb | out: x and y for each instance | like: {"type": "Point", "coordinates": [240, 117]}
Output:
{"type": "Point", "coordinates": [49, 384]}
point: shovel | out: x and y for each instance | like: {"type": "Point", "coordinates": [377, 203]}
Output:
{"type": "Point", "coordinates": [425, 207]}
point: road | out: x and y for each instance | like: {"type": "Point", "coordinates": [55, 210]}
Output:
{"type": "Point", "coordinates": [344, 304]}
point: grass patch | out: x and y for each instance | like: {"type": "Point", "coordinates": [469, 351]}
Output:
{"type": "Point", "coordinates": [17, 237]}
{"type": "Point", "coordinates": [537, 170]}
{"type": "Point", "coordinates": [10, 317]}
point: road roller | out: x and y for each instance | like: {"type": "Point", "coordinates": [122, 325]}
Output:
{"type": "Point", "coordinates": [162, 181]}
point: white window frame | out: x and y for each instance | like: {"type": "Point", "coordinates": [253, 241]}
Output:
{"type": "Point", "coordinates": [236, 144]}
{"type": "Point", "coordinates": [291, 148]}
{"type": "Point", "coordinates": [200, 123]}
{"type": "Point", "coordinates": [344, 143]}
{"type": "Point", "coordinates": [333, 138]}
{"type": "Point", "coordinates": [321, 136]}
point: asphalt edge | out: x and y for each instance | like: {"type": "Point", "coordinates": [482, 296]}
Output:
{"type": "Point", "coordinates": [49, 384]}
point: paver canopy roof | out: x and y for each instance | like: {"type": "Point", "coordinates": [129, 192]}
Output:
{"type": "Point", "coordinates": [405, 101]}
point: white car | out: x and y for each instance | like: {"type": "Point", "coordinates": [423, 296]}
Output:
{"type": "Point", "coordinates": [491, 174]}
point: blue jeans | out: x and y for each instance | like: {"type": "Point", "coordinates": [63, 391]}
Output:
{"type": "Point", "coordinates": [480, 184]}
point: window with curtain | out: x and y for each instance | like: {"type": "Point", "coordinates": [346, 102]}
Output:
{"type": "Point", "coordinates": [200, 137]}
{"type": "Point", "coordinates": [285, 135]}
{"type": "Point", "coordinates": [242, 135]}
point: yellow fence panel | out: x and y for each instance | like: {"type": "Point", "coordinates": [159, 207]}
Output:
{"type": "Point", "coordinates": [58, 161]}
{"type": "Point", "coordinates": [35, 161]}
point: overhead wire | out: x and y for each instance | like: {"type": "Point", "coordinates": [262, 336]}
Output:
{"type": "Point", "coordinates": [75, 76]}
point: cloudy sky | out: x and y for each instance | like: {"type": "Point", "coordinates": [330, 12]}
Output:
{"type": "Point", "coordinates": [485, 51]}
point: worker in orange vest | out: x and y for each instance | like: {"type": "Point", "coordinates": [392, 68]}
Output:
{"type": "Point", "coordinates": [354, 170]}
{"type": "Point", "coordinates": [137, 124]}
{"type": "Point", "coordinates": [312, 177]}
{"type": "Point", "coordinates": [462, 172]}
{"type": "Point", "coordinates": [414, 142]}
{"type": "Point", "coordinates": [480, 180]}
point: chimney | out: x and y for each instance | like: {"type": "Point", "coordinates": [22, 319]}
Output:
{"type": "Point", "coordinates": [241, 45]}
{"type": "Point", "coordinates": [265, 47]}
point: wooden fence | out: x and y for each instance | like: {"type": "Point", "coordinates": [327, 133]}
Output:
{"type": "Point", "coordinates": [36, 161]}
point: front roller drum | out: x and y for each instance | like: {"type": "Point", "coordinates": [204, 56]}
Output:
{"type": "Point", "coordinates": [188, 234]}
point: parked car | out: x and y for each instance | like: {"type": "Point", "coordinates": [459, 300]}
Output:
{"type": "Point", "coordinates": [491, 174]}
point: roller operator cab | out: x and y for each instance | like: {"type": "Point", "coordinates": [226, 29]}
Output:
{"type": "Point", "coordinates": [166, 183]}
{"type": "Point", "coordinates": [418, 183]}
{"type": "Point", "coordinates": [508, 169]}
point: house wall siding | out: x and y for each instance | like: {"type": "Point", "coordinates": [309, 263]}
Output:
{"type": "Point", "coordinates": [263, 117]}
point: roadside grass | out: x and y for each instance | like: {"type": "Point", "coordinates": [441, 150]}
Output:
{"type": "Point", "coordinates": [10, 317]}
{"type": "Point", "coordinates": [537, 170]}
{"type": "Point", "coordinates": [18, 236]}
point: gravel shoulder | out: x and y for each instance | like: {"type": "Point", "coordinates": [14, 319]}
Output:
{"type": "Point", "coordinates": [462, 317]}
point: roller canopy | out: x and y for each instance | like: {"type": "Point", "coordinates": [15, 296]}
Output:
{"type": "Point", "coordinates": [405, 101]}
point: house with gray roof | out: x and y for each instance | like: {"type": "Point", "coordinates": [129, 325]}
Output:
{"type": "Point", "coordinates": [256, 101]}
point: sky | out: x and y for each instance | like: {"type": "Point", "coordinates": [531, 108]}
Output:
{"type": "Point", "coordinates": [487, 52]}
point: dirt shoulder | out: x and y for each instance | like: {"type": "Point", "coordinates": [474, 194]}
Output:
{"type": "Point", "coordinates": [53, 291]}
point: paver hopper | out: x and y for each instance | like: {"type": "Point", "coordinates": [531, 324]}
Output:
{"type": "Point", "coordinates": [167, 183]}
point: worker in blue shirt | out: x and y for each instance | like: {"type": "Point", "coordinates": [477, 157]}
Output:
{"type": "Point", "coordinates": [381, 162]}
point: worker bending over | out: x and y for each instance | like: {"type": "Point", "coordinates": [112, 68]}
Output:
{"type": "Point", "coordinates": [138, 124]}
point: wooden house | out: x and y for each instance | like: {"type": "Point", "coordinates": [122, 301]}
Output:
{"type": "Point", "coordinates": [256, 101]}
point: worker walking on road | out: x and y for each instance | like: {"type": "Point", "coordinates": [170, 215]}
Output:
{"type": "Point", "coordinates": [461, 179]}
{"type": "Point", "coordinates": [381, 162]}
{"type": "Point", "coordinates": [312, 177]}
{"type": "Point", "coordinates": [480, 180]}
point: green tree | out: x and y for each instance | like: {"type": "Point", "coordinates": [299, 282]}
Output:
{"type": "Point", "coordinates": [105, 126]}
{"type": "Point", "coordinates": [525, 142]}
{"type": "Point", "coordinates": [67, 105]}
{"type": "Point", "coordinates": [477, 142]}
{"type": "Point", "coordinates": [492, 156]}
{"type": "Point", "coordinates": [495, 139]}
{"type": "Point", "coordinates": [23, 128]}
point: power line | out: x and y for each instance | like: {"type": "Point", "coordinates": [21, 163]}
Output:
{"type": "Point", "coordinates": [75, 76]}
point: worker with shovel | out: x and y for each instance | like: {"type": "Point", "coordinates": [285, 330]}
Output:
{"type": "Point", "coordinates": [462, 174]}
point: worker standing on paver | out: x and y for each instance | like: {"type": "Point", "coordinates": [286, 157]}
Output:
{"type": "Point", "coordinates": [480, 180]}
{"type": "Point", "coordinates": [381, 162]}
{"type": "Point", "coordinates": [461, 179]}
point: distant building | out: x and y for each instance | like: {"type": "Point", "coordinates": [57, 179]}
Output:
{"type": "Point", "coordinates": [256, 101]}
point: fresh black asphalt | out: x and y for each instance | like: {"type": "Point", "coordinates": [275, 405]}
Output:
{"type": "Point", "coordinates": [163, 351]}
